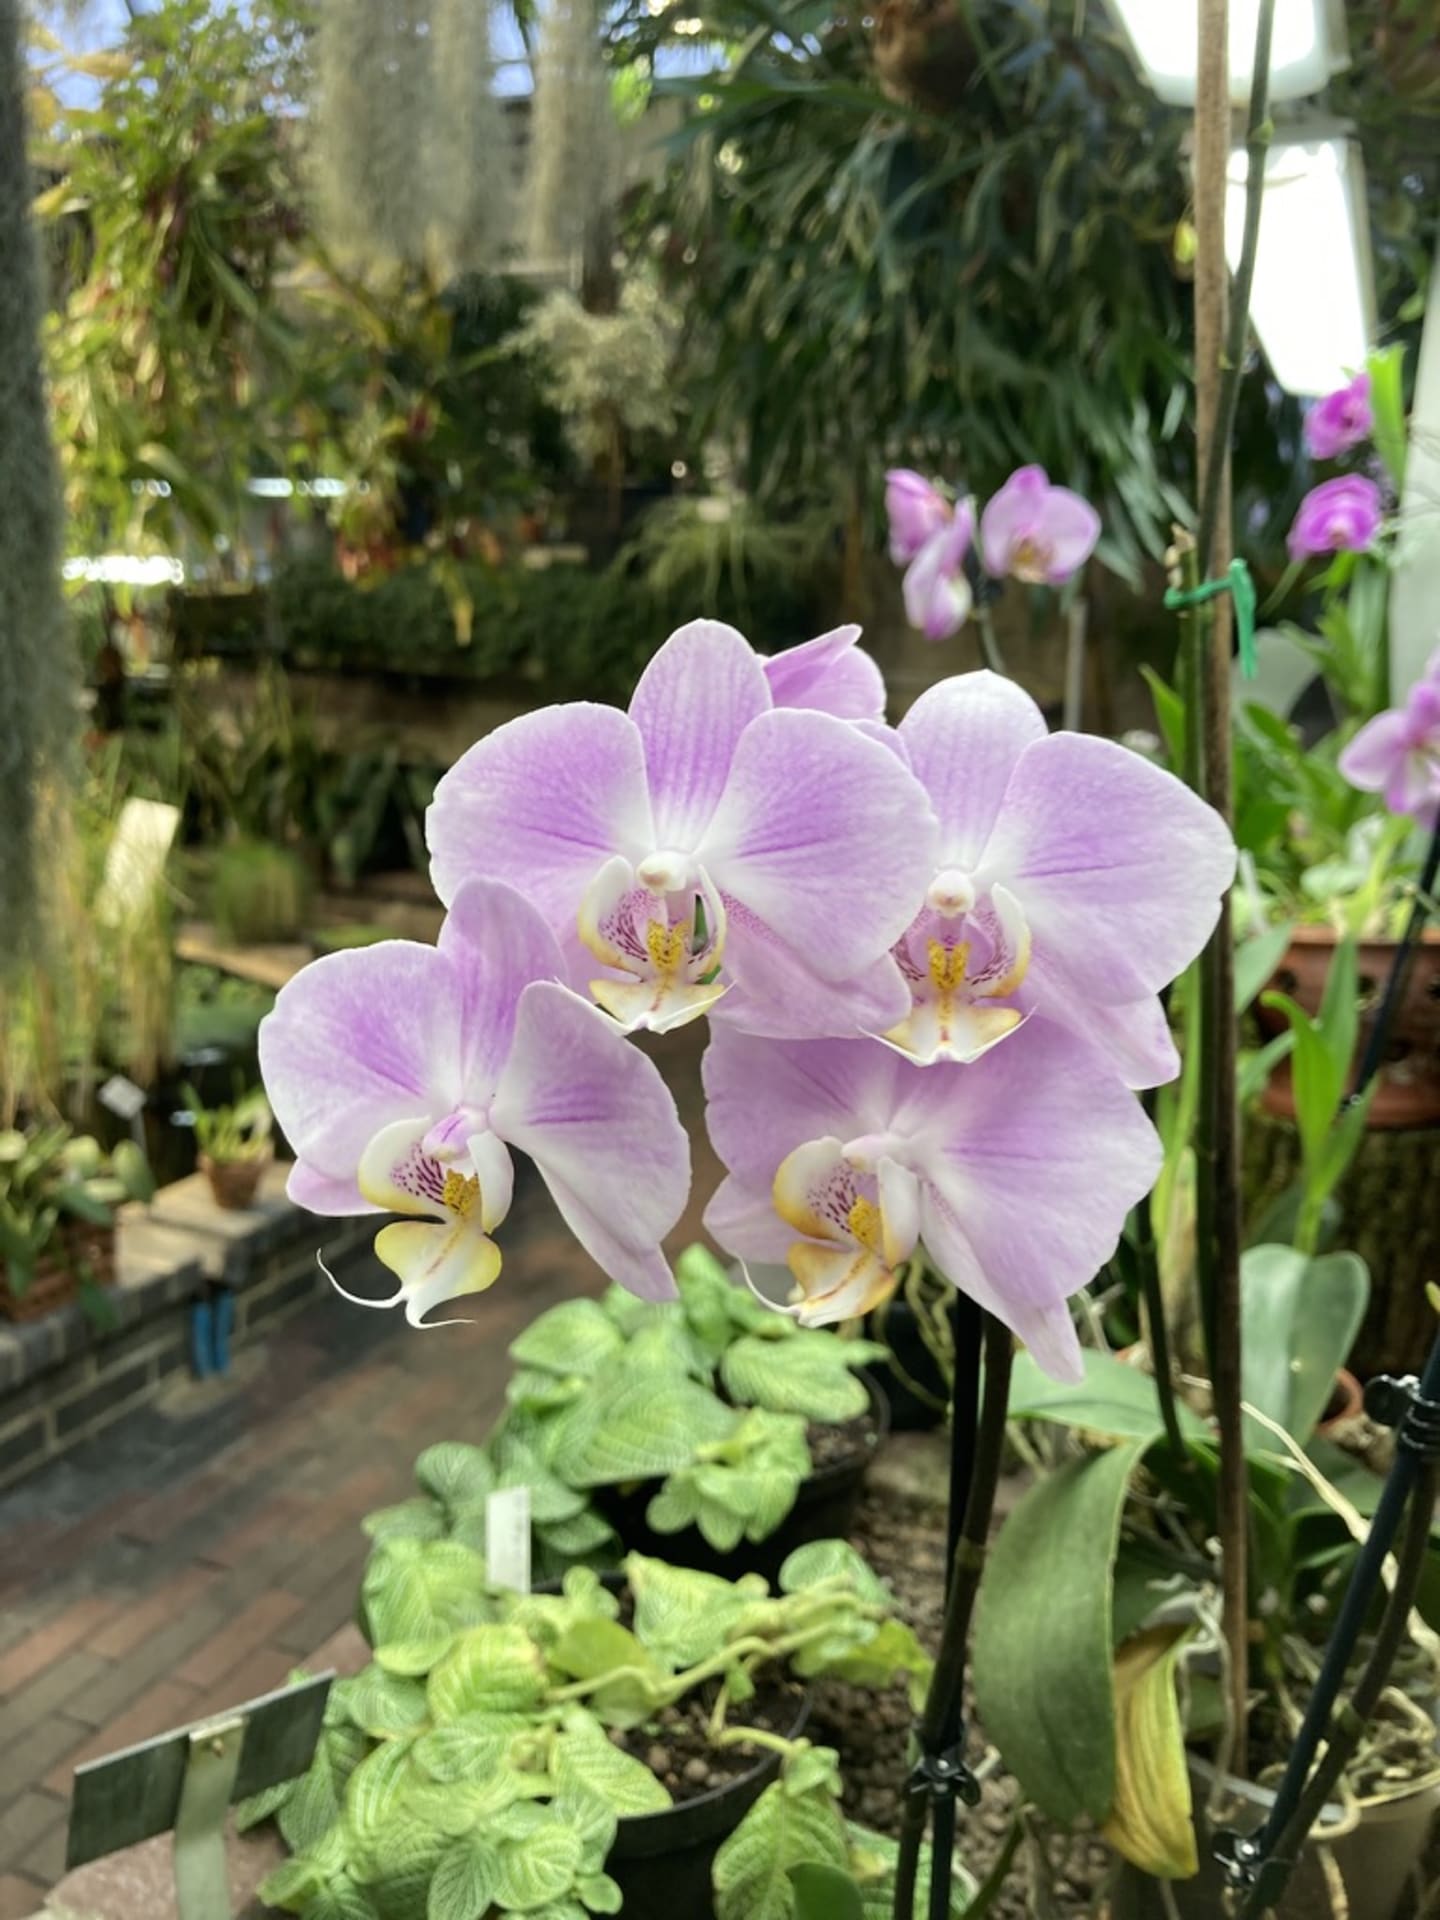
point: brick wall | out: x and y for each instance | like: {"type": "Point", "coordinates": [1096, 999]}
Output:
{"type": "Point", "coordinates": [62, 1379]}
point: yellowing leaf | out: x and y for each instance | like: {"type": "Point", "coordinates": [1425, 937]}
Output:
{"type": "Point", "coordinates": [1150, 1821]}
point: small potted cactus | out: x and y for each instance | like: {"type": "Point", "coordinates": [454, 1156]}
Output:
{"type": "Point", "coordinates": [233, 1145]}
{"type": "Point", "coordinates": [58, 1195]}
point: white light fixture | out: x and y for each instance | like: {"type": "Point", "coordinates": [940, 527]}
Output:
{"type": "Point", "coordinates": [1313, 300]}
{"type": "Point", "coordinates": [126, 570]}
{"type": "Point", "coordinates": [1309, 44]}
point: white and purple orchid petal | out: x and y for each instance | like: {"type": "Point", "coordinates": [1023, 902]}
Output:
{"type": "Point", "coordinates": [824, 836]}
{"type": "Point", "coordinates": [916, 511]}
{"type": "Point", "coordinates": [1120, 867]}
{"type": "Point", "coordinates": [400, 1172]}
{"type": "Point", "coordinates": [498, 943]}
{"type": "Point", "coordinates": [964, 738]}
{"type": "Point", "coordinates": [492, 1166]}
{"type": "Point", "coordinates": [885, 736]}
{"type": "Point", "coordinates": [434, 1263]}
{"type": "Point", "coordinates": [615, 915]}
{"type": "Point", "coordinates": [1072, 532]}
{"type": "Point", "coordinates": [1029, 1162]}
{"type": "Point", "coordinates": [816, 1190]}
{"type": "Point", "coordinates": [358, 1040]}
{"type": "Point", "coordinates": [1133, 1039]}
{"type": "Point", "coordinates": [946, 1028]}
{"type": "Point", "coordinates": [899, 1210]}
{"type": "Point", "coordinates": [765, 1097]}
{"type": "Point", "coordinates": [320, 1192]}
{"type": "Point", "coordinates": [776, 994]}
{"type": "Point", "coordinates": [655, 1006]}
{"type": "Point", "coordinates": [742, 1218]}
{"type": "Point", "coordinates": [831, 674]}
{"type": "Point", "coordinates": [1009, 518]}
{"type": "Point", "coordinates": [691, 705]}
{"type": "Point", "coordinates": [599, 1122]}
{"type": "Point", "coordinates": [1414, 781]}
{"type": "Point", "coordinates": [542, 803]}
{"type": "Point", "coordinates": [936, 592]}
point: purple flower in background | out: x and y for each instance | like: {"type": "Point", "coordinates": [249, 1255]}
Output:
{"type": "Point", "coordinates": [1035, 532]}
{"type": "Point", "coordinates": [403, 1075]}
{"type": "Point", "coordinates": [1339, 516]}
{"type": "Point", "coordinates": [1340, 421]}
{"type": "Point", "coordinates": [1397, 754]}
{"type": "Point", "coordinates": [830, 674]}
{"type": "Point", "coordinates": [706, 841]}
{"type": "Point", "coordinates": [917, 513]}
{"type": "Point", "coordinates": [1016, 1173]}
{"type": "Point", "coordinates": [1074, 880]}
{"type": "Point", "coordinates": [937, 593]}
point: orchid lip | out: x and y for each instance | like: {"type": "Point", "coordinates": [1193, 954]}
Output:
{"type": "Point", "coordinates": [449, 1139]}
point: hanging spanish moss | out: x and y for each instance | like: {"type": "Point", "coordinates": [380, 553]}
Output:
{"type": "Point", "coordinates": [411, 162]}
{"type": "Point", "coordinates": [575, 139]}
{"type": "Point", "coordinates": [36, 674]}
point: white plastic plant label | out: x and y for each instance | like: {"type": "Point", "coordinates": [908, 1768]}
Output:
{"type": "Point", "coordinates": [507, 1538]}
{"type": "Point", "coordinates": [122, 1097]}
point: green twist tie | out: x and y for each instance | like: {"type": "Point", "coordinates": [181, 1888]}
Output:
{"type": "Point", "coordinates": [1241, 589]}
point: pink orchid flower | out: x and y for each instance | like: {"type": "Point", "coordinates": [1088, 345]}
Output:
{"type": "Point", "coordinates": [1397, 754]}
{"type": "Point", "coordinates": [917, 511]}
{"type": "Point", "coordinates": [403, 1075]}
{"type": "Point", "coordinates": [1015, 1173]}
{"type": "Point", "coordinates": [1074, 880]}
{"type": "Point", "coordinates": [830, 674]}
{"type": "Point", "coordinates": [1036, 532]}
{"type": "Point", "coordinates": [1339, 516]}
{"type": "Point", "coordinates": [1340, 421]}
{"type": "Point", "coordinates": [937, 594]}
{"type": "Point", "coordinates": [707, 843]}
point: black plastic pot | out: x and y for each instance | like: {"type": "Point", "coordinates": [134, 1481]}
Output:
{"type": "Point", "coordinates": [896, 1326]}
{"type": "Point", "coordinates": [662, 1861]}
{"type": "Point", "coordinates": [824, 1509]}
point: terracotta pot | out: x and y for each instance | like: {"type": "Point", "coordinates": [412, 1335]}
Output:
{"type": "Point", "coordinates": [79, 1247]}
{"type": "Point", "coordinates": [233, 1183]}
{"type": "Point", "coordinates": [1408, 1093]}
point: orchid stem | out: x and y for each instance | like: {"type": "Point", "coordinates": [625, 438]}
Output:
{"type": "Point", "coordinates": [944, 1701]}
{"type": "Point", "coordinates": [989, 644]}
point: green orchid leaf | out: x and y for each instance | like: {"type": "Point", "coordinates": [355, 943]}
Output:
{"type": "Point", "coordinates": [1113, 1399]}
{"type": "Point", "coordinates": [1043, 1663]}
{"type": "Point", "coordinates": [1151, 1823]}
{"type": "Point", "coordinates": [822, 1892]}
{"type": "Point", "coordinates": [1299, 1317]}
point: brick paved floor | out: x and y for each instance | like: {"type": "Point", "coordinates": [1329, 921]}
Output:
{"type": "Point", "coordinates": [195, 1552]}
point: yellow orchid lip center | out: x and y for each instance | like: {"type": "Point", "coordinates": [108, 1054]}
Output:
{"type": "Point", "coordinates": [964, 952]}
{"type": "Point", "coordinates": [661, 927]}
{"type": "Point", "coordinates": [847, 1260]}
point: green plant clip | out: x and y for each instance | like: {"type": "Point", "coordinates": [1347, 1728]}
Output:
{"type": "Point", "coordinates": [1237, 582]}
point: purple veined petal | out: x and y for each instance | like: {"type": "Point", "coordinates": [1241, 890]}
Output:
{"type": "Point", "coordinates": [598, 1121]}
{"type": "Point", "coordinates": [1133, 1041]}
{"type": "Point", "coordinates": [1414, 783]}
{"type": "Point", "coordinates": [830, 674]}
{"type": "Point", "coordinates": [318, 1192]}
{"type": "Point", "coordinates": [935, 590]}
{"type": "Point", "coordinates": [1371, 757]}
{"type": "Point", "coordinates": [1118, 867]}
{"type": "Point", "coordinates": [498, 943]}
{"type": "Point", "coordinates": [358, 1040]}
{"type": "Point", "coordinates": [964, 737]}
{"type": "Point", "coordinates": [542, 803]}
{"type": "Point", "coordinates": [885, 736]}
{"type": "Point", "coordinates": [693, 702]}
{"type": "Point", "coordinates": [1029, 1163]}
{"type": "Point", "coordinates": [776, 994]}
{"type": "Point", "coordinates": [899, 1209]}
{"type": "Point", "coordinates": [825, 837]}
{"type": "Point", "coordinates": [743, 1220]}
{"type": "Point", "coordinates": [764, 1097]}
{"type": "Point", "coordinates": [916, 510]}
{"type": "Point", "coordinates": [1009, 517]}
{"type": "Point", "coordinates": [1072, 528]}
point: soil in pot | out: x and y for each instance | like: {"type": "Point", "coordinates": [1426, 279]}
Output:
{"type": "Point", "coordinates": [233, 1183]}
{"type": "Point", "coordinates": [824, 1506]}
{"type": "Point", "coordinates": [662, 1862]}
{"type": "Point", "coordinates": [1408, 1090]}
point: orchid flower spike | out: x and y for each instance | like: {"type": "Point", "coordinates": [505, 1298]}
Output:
{"type": "Point", "coordinates": [403, 1075]}
{"type": "Point", "coordinates": [1015, 1174]}
{"type": "Point", "coordinates": [1397, 754]}
{"type": "Point", "coordinates": [1074, 880]}
{"type": "Point", "coordinates": [1036, 532]}
{"type": "Point", "coordinates": [709, 843]}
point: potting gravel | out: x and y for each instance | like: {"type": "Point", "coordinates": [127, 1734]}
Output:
{"type": "Point", "coordinates": [905, 1543]}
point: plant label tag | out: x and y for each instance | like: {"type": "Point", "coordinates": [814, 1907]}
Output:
{"type": "Point", "coordinates": [122, 1097]}
{"type": "Point", "coordinates": [507, 1538]}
